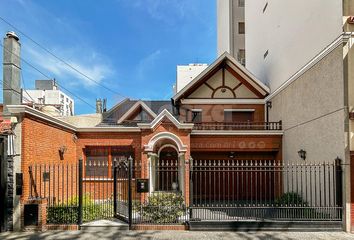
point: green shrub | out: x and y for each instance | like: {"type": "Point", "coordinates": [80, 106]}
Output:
{"type": "Point", "coordinates": [290, 198]}
{"type": "Point", "coordinates": [61, 214]}
{"type": "Point", "coordinates": [67, 213]}
{"type": "Point", "coordinates": [163, 208]}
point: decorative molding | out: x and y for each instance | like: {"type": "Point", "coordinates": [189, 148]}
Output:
{"type": "Point", "coordinates": [165, 135]}
{"type": "Point", "coordinates": [159, 118]}
{"type": "Point", "coordinates": [134, 107]}
{"type": "Point", "coordinates": [236, 66]}
{"type": "Point", "coordinates": [236, 132]}
{"type": "Point", "coordinates": [239, 110]}
{"type": "Point", "coordinates": [165, 146]}
{"type": "Point", "coordinates": [22, 109]}
{"type": "Point", "coordinates": [222, 101]}
{"type": "Point", "coordinates": [109, 129]}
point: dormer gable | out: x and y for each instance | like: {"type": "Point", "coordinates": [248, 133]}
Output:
{"type": "Point", "coordinates": [139, 112]}
{"type": "Point", "coordinates": [224, 79]}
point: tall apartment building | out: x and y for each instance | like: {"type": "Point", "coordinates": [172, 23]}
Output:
{"type": "Point", "coordinates": [186, 73]}
{"type": "Point", "coordinates": [47, 94]}
{"type": "Point", "coordinates": [231, 28]}
{"type": "Point", "coordinates": [306, 60]}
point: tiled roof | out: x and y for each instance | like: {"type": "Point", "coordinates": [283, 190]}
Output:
{"type": "Point", "coordinates": [111, 117]}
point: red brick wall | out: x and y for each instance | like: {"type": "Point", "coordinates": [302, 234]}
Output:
{"type": "Point", "coordinates": [40, 144]}
{"type": "Point", "coordinates": [236, 143]}
{"type": "Point", "coordinates": [184, 135]}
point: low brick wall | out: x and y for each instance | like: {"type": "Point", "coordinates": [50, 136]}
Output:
{"type": "Point", "coordinates": [160, 227]}
{"type": "Point", "coordinates": [42, 215]}
{"type": "Point", "coordinates": [62, 227]}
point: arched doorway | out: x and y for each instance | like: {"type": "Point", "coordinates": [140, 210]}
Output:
{"type": "Point", "coordinates": [170, 149]}
{"type": "Point", "coordinates": [167, 171]}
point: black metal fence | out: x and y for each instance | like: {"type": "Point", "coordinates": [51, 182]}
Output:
{"type": "Point", "coordinates": [249, 125]}
{"type": "Point", "coordinates": [219, 190]}
{"type": "Point", "coordinates": [265, 190]}
{"type": "Point", "coordinates": [76, 192]}
{"type": "Point", "coordinates": [58, 184]}
{"type": "Point", "coordinates": [165, 205]}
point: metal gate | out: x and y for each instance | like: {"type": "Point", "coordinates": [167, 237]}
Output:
{"type": "Point", "coordinates": [122, 188]}
{"type": "Point", "coordinates": [84, 191]}
{"type": "Point", "coordinates": [238, 190]}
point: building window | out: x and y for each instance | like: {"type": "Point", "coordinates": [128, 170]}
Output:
{"type": "Point", "coordinates": [196, 115]}
{"type": "Point", "coordinates": [96, 162]}
{"type": "Point", "coordinates": [100, 160]}
{"type": "Point", "coordinates": [241, 28]}
{"type": "Point", "coordinates": [241, 3]}
{"type": "Point", "coordinates": [238, 115]}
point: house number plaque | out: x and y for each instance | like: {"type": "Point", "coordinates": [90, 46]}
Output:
{"type": "Point", "coordinates": [142, 185]}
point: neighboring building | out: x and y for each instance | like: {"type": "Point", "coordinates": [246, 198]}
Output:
{"type": "Point", "coordinates": [231, 28]}
{"type": "Point", "coordinates": [46, 94]}
{"type": "Point", "coordinates": [299, 49]}
{"type": "Point", "coordinates": [186, 73]}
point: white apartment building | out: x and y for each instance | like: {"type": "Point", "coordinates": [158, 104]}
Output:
{"type": "Point", "coordinates": [47, 93]}
{"type": "Point", "coordinates": [303, 51]}
{"type": "Point", "coordinates": [231, 28]}
{"type": "Point", "coordinates": [186, 73]}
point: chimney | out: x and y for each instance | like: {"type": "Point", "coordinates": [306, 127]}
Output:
{"type": "Point", "coordinates": [98, 105]}
{"type": "Point", "coordinates": [11, 71]}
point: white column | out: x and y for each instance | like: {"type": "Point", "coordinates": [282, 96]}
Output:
{"type": "Point", "coordinates": [152, 170]}
{"type": "Point", "coordinates": [181, 172]}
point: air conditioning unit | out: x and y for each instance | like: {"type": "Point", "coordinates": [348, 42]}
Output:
{"type": "Point", "coordinates": [350, 20]}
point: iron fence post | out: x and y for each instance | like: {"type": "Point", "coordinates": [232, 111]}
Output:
{"type": "Point", "coordinates": [130, 205]}
{"type": "Point", "coordinates": [115, 187]}
{"type": "Point", "coordinates": [190, 188]}
{"type": "Point", "coordinates": [339, 180]}
{"type": "Point", "coordinates": [80, 192]}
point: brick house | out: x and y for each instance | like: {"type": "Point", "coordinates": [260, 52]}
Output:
{"type": "Point", "coordinates": [221, 114]}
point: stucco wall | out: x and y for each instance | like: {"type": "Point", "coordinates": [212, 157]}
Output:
{"type": "Point", "coordinates": [293, 32]}
{"type": "Point", "coordinates": [312, 111]}
{"type": "Point", "coordinates": [223, 26]}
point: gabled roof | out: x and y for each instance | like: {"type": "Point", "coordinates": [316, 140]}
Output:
{"type": "Point", "coordinates": [116, 113]}
{"type": "Point", "coordinates": [134, 108]}
{"type": "Point", "coordinates": [250, 80]}
{"type": "Point", "coordinates": [160, 117]}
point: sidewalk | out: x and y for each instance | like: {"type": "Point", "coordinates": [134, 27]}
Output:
{"type": "Point", "coordinates": [147, 235]}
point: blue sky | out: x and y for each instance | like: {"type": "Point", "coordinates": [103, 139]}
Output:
{"type": "Point", "coordinates": [131, 46]}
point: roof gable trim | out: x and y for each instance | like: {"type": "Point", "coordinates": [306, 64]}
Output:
{"type": "Point", "coordinates": [250, 78]}
{"type": "Point", "coordinates": [134, 107]}
{"type": "Point", "coordinates": [160, 117]}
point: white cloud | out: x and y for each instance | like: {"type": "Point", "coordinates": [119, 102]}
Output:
{"type": "Point", "coordinates": [90, 66]}
{"type": "Point", "coordinates": [147, 64]}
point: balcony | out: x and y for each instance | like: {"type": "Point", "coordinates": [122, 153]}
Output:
{"type": "Point", "coordinates": [238, 126]}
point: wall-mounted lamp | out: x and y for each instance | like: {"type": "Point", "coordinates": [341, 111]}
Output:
{"type": "Point", "coordinates": [302, 154]}
{"type": "Point", "coordinates": [62, 150]}
{"type": "Point", "coordinates": [269, 104]}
